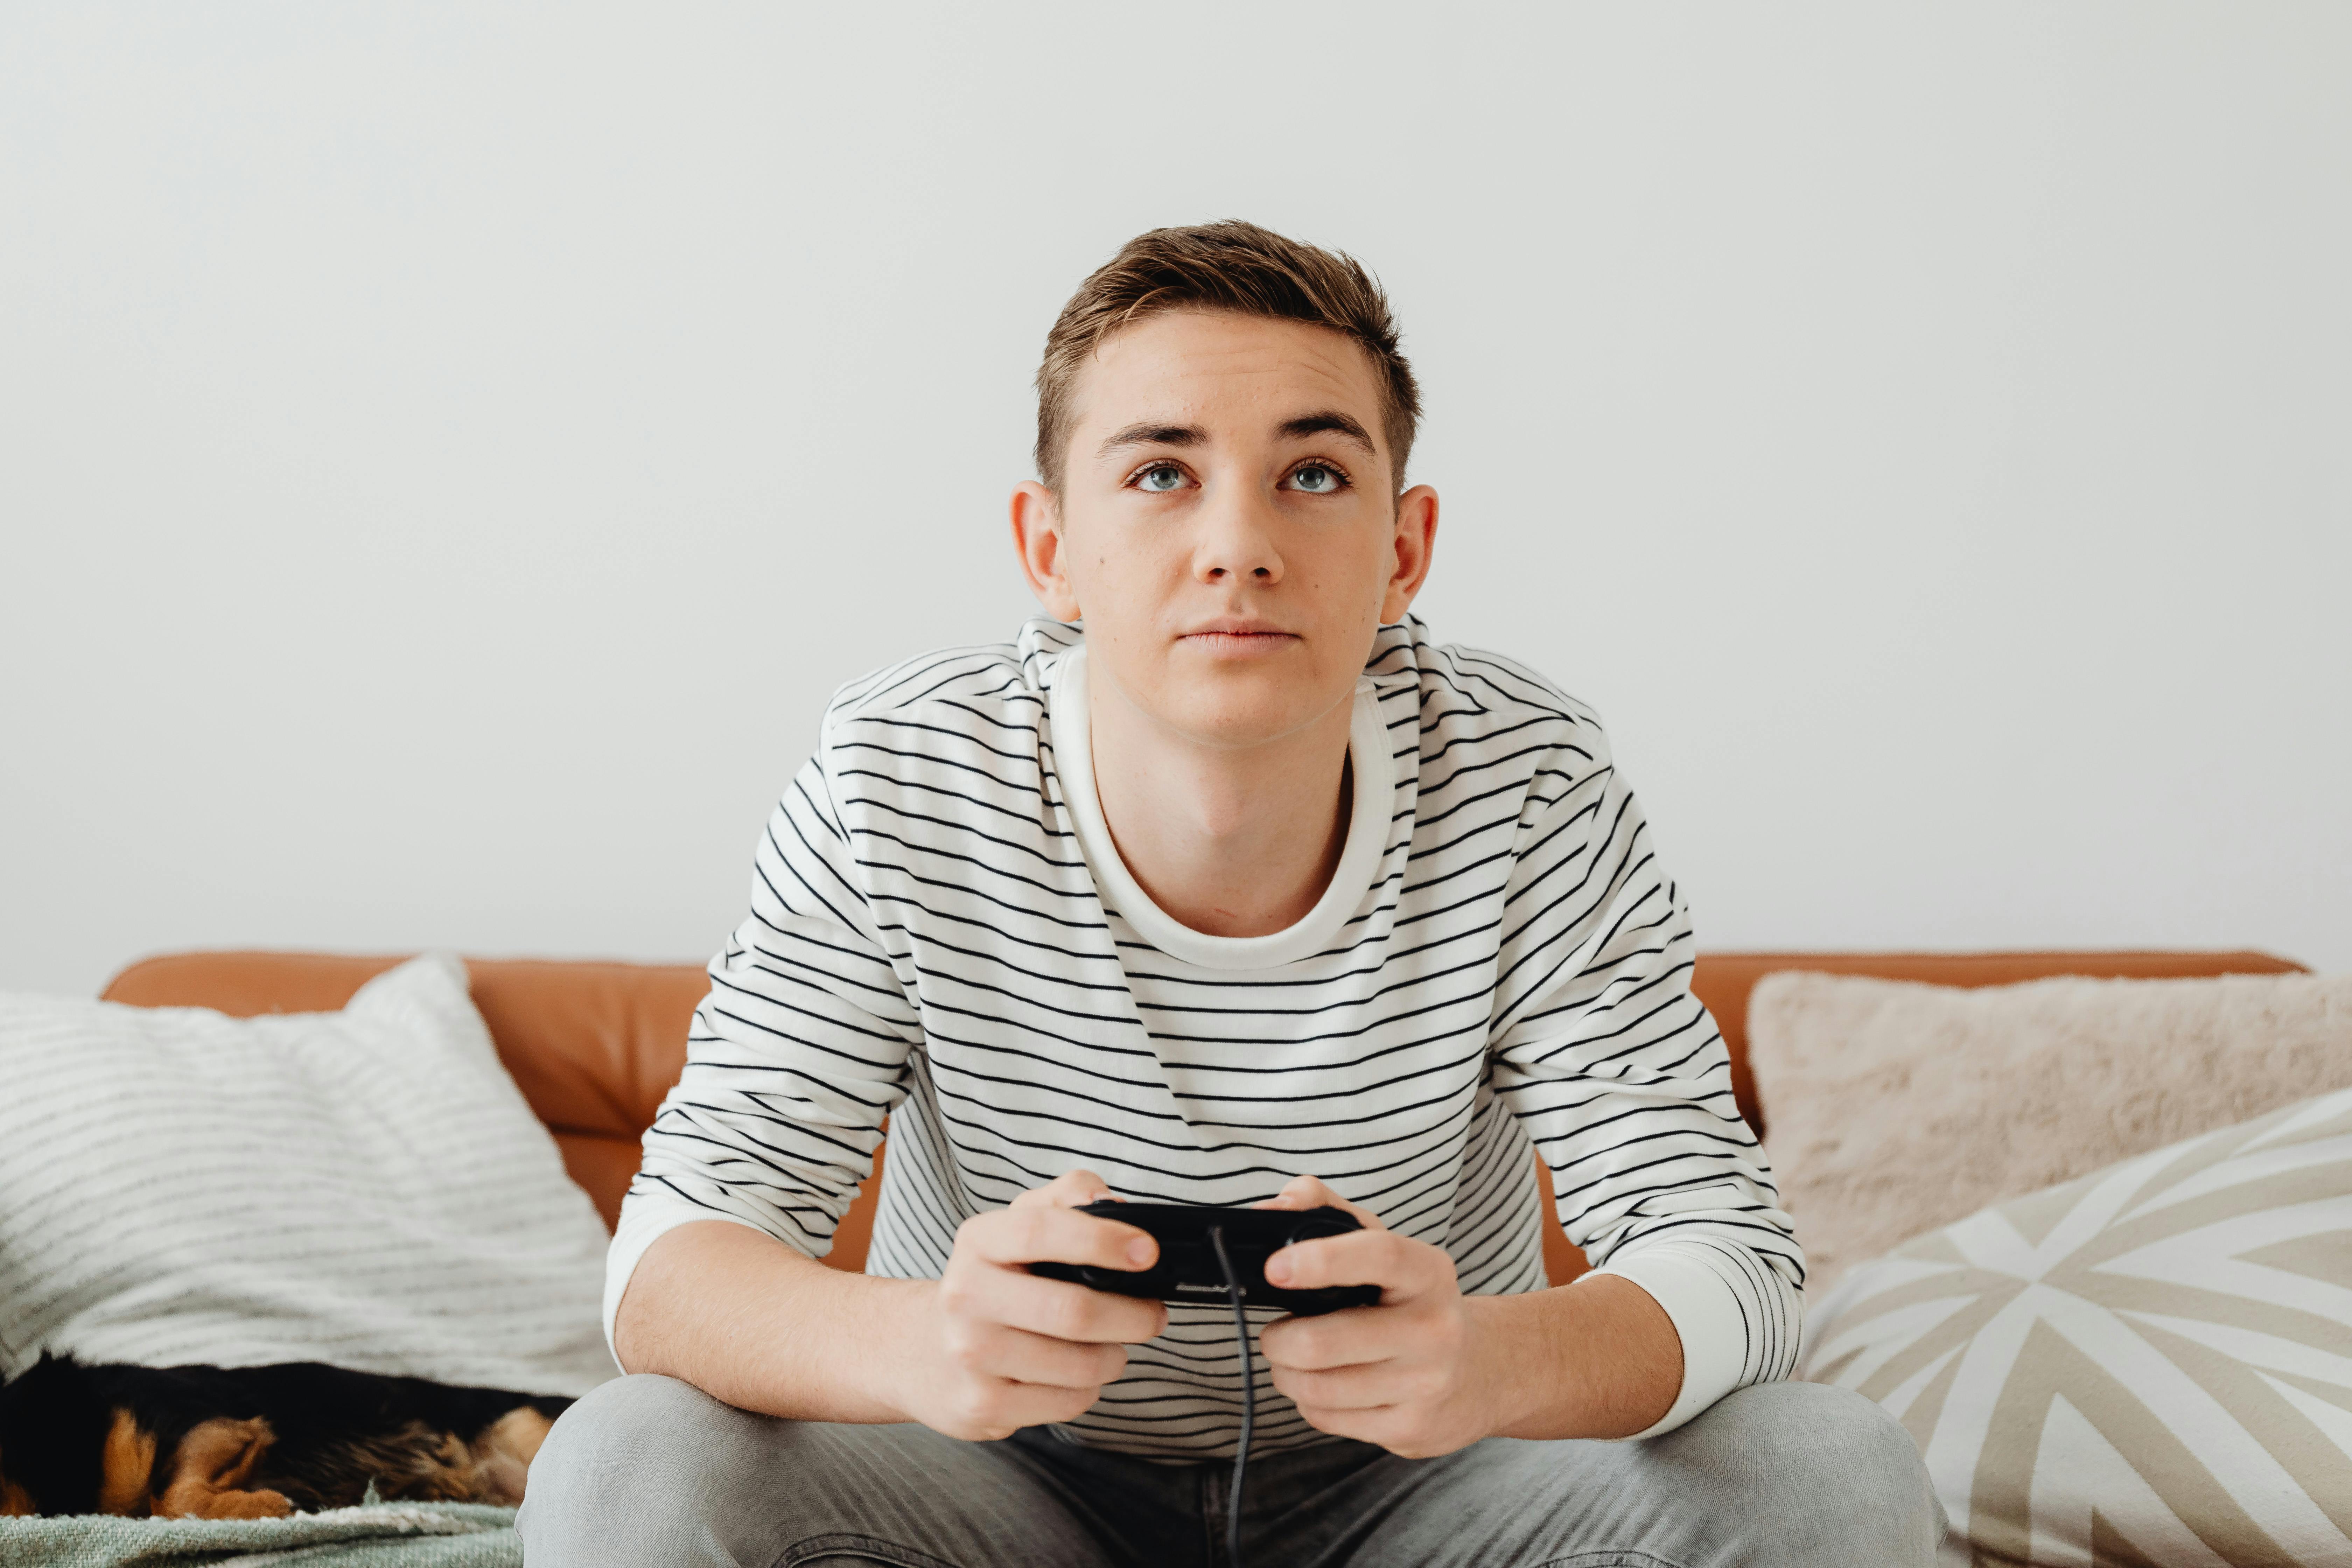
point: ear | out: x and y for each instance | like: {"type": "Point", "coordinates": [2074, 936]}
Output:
{"type": "Point", "coordinates": [1037, 539]}
{"type": "Point", "coordinates": [1416, 541]}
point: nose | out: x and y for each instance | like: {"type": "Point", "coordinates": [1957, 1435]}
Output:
{"type": "Point", "coordinates": [1235, 540]}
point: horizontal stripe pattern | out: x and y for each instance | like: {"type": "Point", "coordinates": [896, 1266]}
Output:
{"type": "Point", "coordinates": [926, 943]}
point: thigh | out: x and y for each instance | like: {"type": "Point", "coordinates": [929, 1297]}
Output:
{"type": "Point", "coordinates": [1790, 1475]}
{"type": "Point", "coordinates": [652, 1470]}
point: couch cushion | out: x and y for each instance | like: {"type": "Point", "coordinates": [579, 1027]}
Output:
{"type": "Point", "coordinates": [364, 1187]}
{"type": "Point", "coordinates": [1901, 1107]}
{"type": "Point", "coordinates": [1723, 980]}
{"type": "Point", "coordinates": [593, 1046]}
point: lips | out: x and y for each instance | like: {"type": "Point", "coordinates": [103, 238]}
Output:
{"type": "Point", "coordinates": [1237, 627]}
{"type": "Point", "coordinates": [1238, 640]}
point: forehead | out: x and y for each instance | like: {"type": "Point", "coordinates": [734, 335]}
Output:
{"type": "Point", "coordinates": [1218, 368]}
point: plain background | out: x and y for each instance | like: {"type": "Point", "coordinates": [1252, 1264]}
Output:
{"type": "Point", "coordinates": [448, 454]}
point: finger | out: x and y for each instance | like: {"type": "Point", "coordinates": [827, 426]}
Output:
{"type": "Point", "coordinates": [1358, 1336]}
{"type": "Point", "coordinates": [1373, 1387]}
{"type": "Point", "coordinates": [1019, 1356]}
{"type": "Point", "coordinates": [1045, 1234]}
{"type": "Point", "coordinates": [995, 1408]}
{"type": "Point", "coordinates": [1310, 1193]}
{"type": "Point", "coordinates": [1402, 1266]}
{"type": "Point", "coordinates": [1298, 1193]}
{"type": "Point", "coordinates": [1069, 1190]}
{"type": "Point", "coordinates": [1053, 1308]}
{"type": "Point", "coordinates": [1378, 1425]}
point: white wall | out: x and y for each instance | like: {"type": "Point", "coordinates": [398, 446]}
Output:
{"type": "Point", "coordinates": [447, 457]}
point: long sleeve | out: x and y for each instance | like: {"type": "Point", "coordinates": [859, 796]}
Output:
{"type": "Point", "coordinates": [1624, 1084]}
{"type": "Point", "coordinates": [794, 1058]}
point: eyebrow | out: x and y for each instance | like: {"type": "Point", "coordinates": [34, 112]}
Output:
{"type": "Point", "coordinates": [1148, 435]}
{"type": "Point", "coordinates": [1329, 421]}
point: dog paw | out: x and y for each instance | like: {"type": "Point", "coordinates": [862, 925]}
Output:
{"type": "Point", "coordinates": [251, 1505]}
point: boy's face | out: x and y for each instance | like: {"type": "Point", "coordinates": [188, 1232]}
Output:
{"type": "Point", "coordinates": [1228, 525]}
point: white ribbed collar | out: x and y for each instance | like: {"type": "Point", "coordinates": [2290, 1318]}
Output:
{"type": "Point", "coordinates": [1374, 782]}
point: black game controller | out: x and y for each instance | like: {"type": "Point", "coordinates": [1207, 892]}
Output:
{"type": "Point", "coordinates": [1189, 1271]}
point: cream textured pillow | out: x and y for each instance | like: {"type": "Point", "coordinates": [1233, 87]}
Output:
{"type": "Point", "coordinates": [366, 1188]}
{"type": "Point", "coordinates": [1892, 1108]}
{"type": "Point", "coordinates": [2151, 1365]}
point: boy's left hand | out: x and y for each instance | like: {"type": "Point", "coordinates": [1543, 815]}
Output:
{"type": "Point", "coordinates": [1404, 1374]}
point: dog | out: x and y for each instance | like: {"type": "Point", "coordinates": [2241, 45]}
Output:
{"type": "Point", "coordinates": [257, 1442]}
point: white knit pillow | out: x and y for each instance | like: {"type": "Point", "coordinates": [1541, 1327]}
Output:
{"type": "Point", "coordinates": [366, 1188]}
{"type": "Point", "coordinates": [2150, 1364]}
{"type": "Point", "coordinates": [1892, 1108]}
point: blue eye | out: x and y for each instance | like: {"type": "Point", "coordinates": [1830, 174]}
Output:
{"type": "Point", "coordinates": [1315, 480]}
{"type": "Point", "coordinates": [1160, 478]}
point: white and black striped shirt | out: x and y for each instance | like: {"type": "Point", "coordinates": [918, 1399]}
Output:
{"type": "Point", "coordinates": [941, 932]}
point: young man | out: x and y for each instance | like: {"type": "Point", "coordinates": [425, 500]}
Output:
{"type": "Point", "coordinates": [1223, 884]}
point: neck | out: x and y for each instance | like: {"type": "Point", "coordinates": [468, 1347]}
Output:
{"type": "Point", "coordinates": [1228, 841]}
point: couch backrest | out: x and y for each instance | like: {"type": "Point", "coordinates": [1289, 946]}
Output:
{"type": "Point", "coordinates": [595, 1045]}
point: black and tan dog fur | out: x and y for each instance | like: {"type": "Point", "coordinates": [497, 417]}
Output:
{"type": "Point", "coordinates": [208, 1442]}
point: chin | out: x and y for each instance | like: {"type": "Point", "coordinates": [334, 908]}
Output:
{"type": "Point", "coordinates": [1231, 700]}
{"type": "Point", "coordinates": [1242, 713]}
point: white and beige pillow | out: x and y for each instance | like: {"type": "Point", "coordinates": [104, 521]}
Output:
{"type": "Point", "coordinates": [1892, 1108]}
{"type": "Point", "coordinates": [2149, 1365]}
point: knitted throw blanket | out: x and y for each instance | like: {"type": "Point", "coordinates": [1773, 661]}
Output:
{"type": "Point", "coordinates": [443, 1535]}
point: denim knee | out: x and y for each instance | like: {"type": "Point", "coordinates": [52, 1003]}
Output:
{"type": "Point", "coordinates": [1816, 1476]}
{"type": "Point", "coordinates": [621, 1479]}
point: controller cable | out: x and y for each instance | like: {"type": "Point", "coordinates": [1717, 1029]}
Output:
{"type": "Point", "coordinates": [1249, 1397]}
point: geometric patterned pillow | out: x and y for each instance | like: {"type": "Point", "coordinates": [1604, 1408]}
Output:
{"type": "Point", "coordinates": [2148, 1366]}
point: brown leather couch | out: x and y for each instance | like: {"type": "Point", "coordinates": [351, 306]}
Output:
{"type": "Point", "coordinates": [595, 1046]}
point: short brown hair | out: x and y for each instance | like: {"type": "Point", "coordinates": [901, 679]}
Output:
{"type": "Point", "coordinates": [1228, 265]}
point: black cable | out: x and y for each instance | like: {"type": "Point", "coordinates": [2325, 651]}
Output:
{"type": "Point", "coordinates": [1249, 1397]}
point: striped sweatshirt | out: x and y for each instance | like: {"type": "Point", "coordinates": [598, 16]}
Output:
{"type": "Point", "coordinates": [941, 933]}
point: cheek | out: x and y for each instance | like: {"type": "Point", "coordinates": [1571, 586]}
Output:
{"type": "Point", "coordinates": [1356, 565]}
{"type": "Point", "coordinates": [1346, 586]}
{"type": "Point", "coordinates": [1124, 595]}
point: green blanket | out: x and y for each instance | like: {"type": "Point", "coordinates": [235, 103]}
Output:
{"type": "Point", "coordinates": [441, 1535]}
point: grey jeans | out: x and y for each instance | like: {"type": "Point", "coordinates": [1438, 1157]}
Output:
{"type": "Point", "coordinates": [647, 1472]}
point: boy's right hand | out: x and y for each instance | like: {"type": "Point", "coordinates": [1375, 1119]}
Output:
{"type": "Point", "coordinates": [1009, 1349]}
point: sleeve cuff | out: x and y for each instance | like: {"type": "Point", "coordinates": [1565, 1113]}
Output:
{"type": "Point", "coordinates": [1707, 1315]}
{"type": "Point", "coordinates": [642, 1224]}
